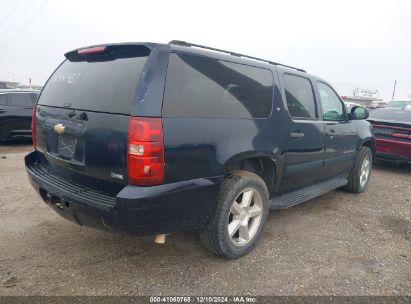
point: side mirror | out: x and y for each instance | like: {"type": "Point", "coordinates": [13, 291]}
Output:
{"type": "Point", "coordinates": [359, 113]}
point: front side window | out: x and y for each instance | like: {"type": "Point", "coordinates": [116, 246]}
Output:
{"type": "Point", "coordinates": [21, 100]}
{"type": "Point", "coordinates": [203, 87]}
{"type": "Point", "coordinates": [300, 97]}
{"type": "Point", "coordinates": [333, 108]}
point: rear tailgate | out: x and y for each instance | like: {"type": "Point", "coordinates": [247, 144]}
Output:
{"type": "Point", "coordinates": [83, 113]}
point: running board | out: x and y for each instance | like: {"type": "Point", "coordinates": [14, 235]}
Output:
{"type": "Point", "coordinates": [307, 193]}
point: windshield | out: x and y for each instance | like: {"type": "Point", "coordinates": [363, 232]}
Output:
{"type": "Point", "coordinates": [399, 104]}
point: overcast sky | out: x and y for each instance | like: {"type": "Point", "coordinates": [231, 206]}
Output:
{"type": "Point", "coordinates": [349, 43]}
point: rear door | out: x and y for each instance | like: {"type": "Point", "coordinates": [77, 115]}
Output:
{"type": "Point", "coordinates": [303, 157]}
{"type": "Point", "coordinates": [341, 138]}
{"type": "Point", "coordinates": [83, 113]}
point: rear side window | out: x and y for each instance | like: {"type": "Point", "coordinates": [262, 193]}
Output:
{"type": "Point", "coordinates": [4, 99]}
{"type": "Point", "coordinates": [208, 88]}
{"type": "Point", "coordinates": [21, 100]}
{"type": "Point", "coordinates": [106, 86]}
{"type": "Point", "coordinates": [300, 97]}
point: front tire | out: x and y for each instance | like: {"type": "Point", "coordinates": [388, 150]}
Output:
{"type": "Point", "coordinates": [360, 174]}
{"type": "Point", "coordinates": [240, 216]}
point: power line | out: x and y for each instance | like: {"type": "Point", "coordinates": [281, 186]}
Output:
{"type": "Point", "coordinates": [43, 5]}
{"type": "Point", "coordinates": [11, 11]}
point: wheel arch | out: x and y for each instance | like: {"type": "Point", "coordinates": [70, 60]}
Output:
{"type": "Point", "coordinates": [261, 164]}
{"type": "Point", "coordinates": [370, 143]}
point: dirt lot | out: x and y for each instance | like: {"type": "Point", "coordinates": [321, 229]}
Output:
{"type": "Point", "coordinates": [338, 244]}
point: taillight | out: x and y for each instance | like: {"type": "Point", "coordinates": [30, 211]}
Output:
{"type": "Point", "coordinates": [33, 127]}
{"type": "Point", "coordinates": [145, 155]}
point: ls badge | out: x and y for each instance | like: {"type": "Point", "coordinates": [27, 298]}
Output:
{"type": "Point", "coordinates": [59, 128]}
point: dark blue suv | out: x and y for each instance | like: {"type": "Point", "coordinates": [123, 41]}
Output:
{"type": "Point", "coordinates": [147, 138]}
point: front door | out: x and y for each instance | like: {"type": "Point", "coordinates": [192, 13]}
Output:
{"type": "Point", "coordinates": [340, 134]}
{"type": "Point", "coordinates": [303, 156]}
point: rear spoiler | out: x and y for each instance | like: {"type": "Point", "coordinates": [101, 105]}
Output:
{"type": "Point", "coordinates": [109, 52]}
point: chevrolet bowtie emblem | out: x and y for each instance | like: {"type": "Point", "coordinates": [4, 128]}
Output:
{"type": "Point", "coordinates": [59, 128]}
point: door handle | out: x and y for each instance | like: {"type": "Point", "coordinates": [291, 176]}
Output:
{"type": "Point", "coordinates": [331, 134]}
{"type": "Point", "coordinates": [2, 111]}
{"type": "Point", "coordinates": [296, 135]}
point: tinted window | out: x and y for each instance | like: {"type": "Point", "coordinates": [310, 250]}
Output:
{"type": "Point", "coordinates": [333, 108]}
{"type": "Point", "coordinates": [4, 99]}
{"type": "Point", "coordinates": [106, 86]}
{"type": "Point", "coordinates": [300, 97]}
{"type": "Point", "coordinates": [203, 87]}
{"type": "Point", "coordinates": [21, 100]}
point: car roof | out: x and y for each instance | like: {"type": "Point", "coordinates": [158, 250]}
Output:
{"type": "Point", "coordinates": [182, 46]}
{"type": "Point", "coordinates": [219, 56]}
{"type": "Point", "coordinates": [205, 52]}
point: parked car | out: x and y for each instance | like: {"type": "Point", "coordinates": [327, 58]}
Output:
{"type": "Point", "coordinates": [399, 104]}
{"type": "Point", "coordinates": [16, 108]}
{"type": "Point", "coordinates": [147, 138]}
{"type": "Point", "coordinates": [392, 131]}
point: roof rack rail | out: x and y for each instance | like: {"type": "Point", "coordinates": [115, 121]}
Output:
{"type": "Point", "coordinates": [187, 44]}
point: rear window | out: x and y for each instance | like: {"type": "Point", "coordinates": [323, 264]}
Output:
{"type": "Point", "coordinates": [95, 85]}
{"type": "Point", "coordinates": [208, 88]}
{"type": "Point", "coordinates": [21, 99]}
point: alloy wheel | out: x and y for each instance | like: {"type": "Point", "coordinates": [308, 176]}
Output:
{"type": "Point", "coordinates": [245, 217]}
{"type": "Point", "coordinates": [365, 170]}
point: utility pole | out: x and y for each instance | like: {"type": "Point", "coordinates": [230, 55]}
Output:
{"type": "Point", "coordinates": [393, 91]}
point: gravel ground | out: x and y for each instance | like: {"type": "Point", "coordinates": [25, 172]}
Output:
{"type": "Point", "coordinates": [337, 244]}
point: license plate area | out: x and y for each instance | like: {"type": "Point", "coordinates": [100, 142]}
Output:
{"type": "Point", "coordinates": [67, 142]}
{"type": "Point", "coordinates": [67, 147]}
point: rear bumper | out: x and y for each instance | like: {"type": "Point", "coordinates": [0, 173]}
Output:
{"type": "Point", "coordinates": [393, 150]}
{"type": "Point", "coordinates": [134, 210]}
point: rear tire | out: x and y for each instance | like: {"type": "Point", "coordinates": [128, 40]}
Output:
{"type": "Point", "coordinates": [360, 174]}
{"type": "Point", "coordinates": [240, 216]}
